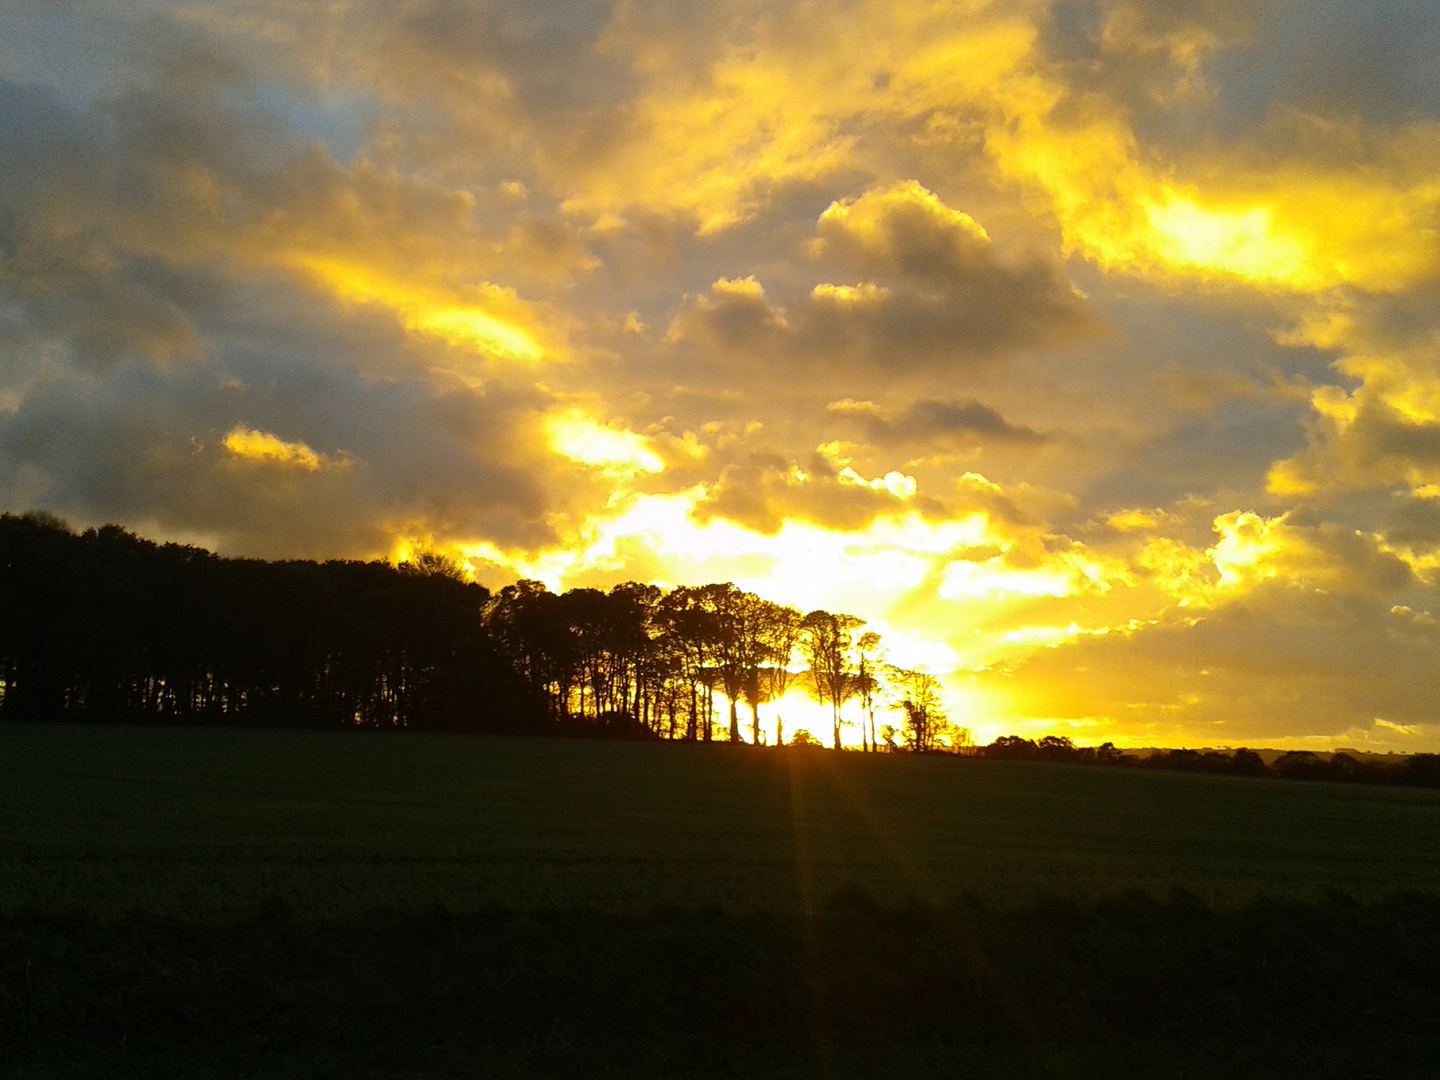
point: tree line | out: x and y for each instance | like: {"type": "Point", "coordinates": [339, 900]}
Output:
{"type": "Point", "coordinates": [1414, 770]}
{"type": "Point", "coordinates": [103, 625]}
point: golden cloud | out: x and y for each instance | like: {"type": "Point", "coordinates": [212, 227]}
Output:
{"type": "Point", "coordinates": [250, 445]}
{"type": "Point", "coordinates": [490, 319]}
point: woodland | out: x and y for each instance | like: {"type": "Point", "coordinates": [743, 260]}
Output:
{"type": "Point", "coordinates": [105, 626]}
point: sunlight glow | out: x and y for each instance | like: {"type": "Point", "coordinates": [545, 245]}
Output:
{"type": "Point", "coordinates": [616, 452]}
{"type": "Point", "coordinates": [896, 483]}
{"type": "Point", "coordinates": [1240, 242]}
{"type": "Point", "coordinates": [1293, 228]}
{"type": "Point", "coordinates": [1047, 636]}
{"type": "Point", "coordinates": [1248, 547]}
{"type": "Point", "coordinates": [968, 579]}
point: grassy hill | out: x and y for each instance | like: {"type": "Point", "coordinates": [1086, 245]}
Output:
{"type": "Point", "coordinates": [207, 824]}
{"type": "Point", "coordinates": [300, 905]}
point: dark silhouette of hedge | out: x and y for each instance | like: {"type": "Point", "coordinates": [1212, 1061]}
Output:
{"type": "Point", "coordinates": [1416, 770]}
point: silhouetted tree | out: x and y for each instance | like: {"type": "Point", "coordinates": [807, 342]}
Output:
{"type": "Point", "coordinates": [1245, 762]}
{"type": "Point", "coordinates": [103, 625]}
{"type": "Point", "coordinates": [784, 631]}
{"type": "Point", "coordinates": [867, 683]}
{"type": "Point", "coordinates": [1299, 765]}
{"type": "Point", "coordinates": [689, 621]}
{"type": "Point", "coordinates": [106, 626]}
{"type": "Point", "coordinates": [1011, 748]}
{"type": "Point", "coordinates": [1420, 770]}
{"type": "Point", "coordinates": [1056, 748]}
{"type": "Point", "coordinates": [741, 648]}
{"type": "Point", "coordinates": [828, 641]}
{"type": "Point", "coordinates": [925, 722]}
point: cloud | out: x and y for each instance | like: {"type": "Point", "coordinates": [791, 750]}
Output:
{"type": "Point", "coordinates": [933, 286]}
{"type": "Point", "coordinates": [1283, 629]}
{"type": "Point", "coordinates": [247, 444]}
{"type": "Point", "coordinates": [764, 496]}
{"type": "Point", "coordinates": [1369, 445]}
{"type": "Point", "coordinates": [1282, 664]}
{"type": "Point", "coordinates": [1382, 431]}
{"type": "Point", "coordinates": [170, 450]}
{"type": "Point", "coordinates": [932, 422]}
{"type": "Point", "coordinates": [100, 303]}
{"type": "Point", "coordinates": [932, 293]}
{"type": "Point", "coordinates": [1414, 523]}
{"type": "Point", "coordinates": [615, 451]}
{"type": "Point", "coordinates": [733, 316]}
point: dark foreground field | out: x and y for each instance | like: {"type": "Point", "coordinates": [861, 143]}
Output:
{"type": "Point", "coordinates": [278, 904]}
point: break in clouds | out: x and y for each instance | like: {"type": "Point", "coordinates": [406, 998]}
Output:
{"type": "Point", "coordinates": [1088, 349]}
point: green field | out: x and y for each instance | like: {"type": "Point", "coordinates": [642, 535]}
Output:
{"type": "Point", "coordinates": [301, 906]}
{"type": "Point", "coordinates": [208, 824]}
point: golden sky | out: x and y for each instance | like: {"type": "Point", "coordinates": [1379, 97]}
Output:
{"type": "Point", "coordinates": [1089, 350]}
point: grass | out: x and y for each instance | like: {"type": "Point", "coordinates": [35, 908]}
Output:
{"type": "Point", "coordinates": [209, 824]}
{"type": "Point", "coordinates": [1313, 990]}
{"type": "Point", "coordinates": [303, 906]}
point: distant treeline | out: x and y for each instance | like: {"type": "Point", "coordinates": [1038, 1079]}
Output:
{"type": "Point", "coordinates": [106, 626]}
{"type": "Point", "coordinates": [1420, 770]}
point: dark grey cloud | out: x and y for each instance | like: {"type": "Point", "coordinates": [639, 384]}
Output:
{"type": "Point", "coordinates": [1380, 449]}
{"type": "Point", "coordinates": [67, 280]}
{"type": "Point", "coordinates": [1413, 523]}
{"type": "Point", "coordinates": [147, 445]}
{"type": "Point", "coordinates": [932, 423]}
{"type": "Point", "coordinates": [1374, 61]}
{"type": "Point", "coordinates": [145, 317]}
{"type": "Point", "coordinates": [1226, 69]}
{"type": "Point", "coordinates": [911, 287]}
{"type": "Point", "coordinates": [1229, 448]}
{"type": "Point", "coordinates": [545, 53]}
{"type": "Point", "coordinates": [947, 295]}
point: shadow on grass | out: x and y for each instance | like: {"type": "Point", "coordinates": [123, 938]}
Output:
{"type": "Point", "coordinates": [1130, 986]}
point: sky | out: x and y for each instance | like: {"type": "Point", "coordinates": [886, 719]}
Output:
{"type": "Point", "coordinates": [1087, 350]}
